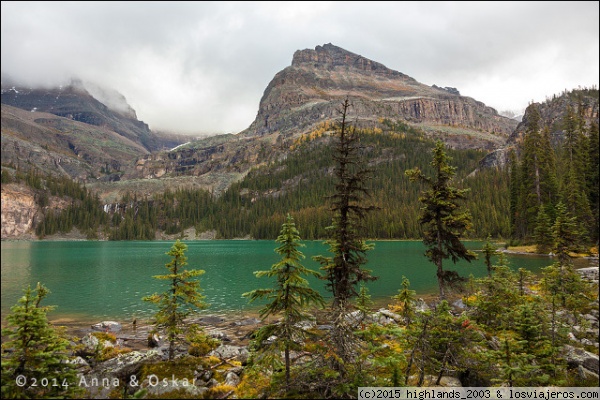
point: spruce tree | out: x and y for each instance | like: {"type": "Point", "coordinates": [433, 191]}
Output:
{"type": "Point", "coordinates": [406, 297]}
{"type": "Point", "coordinates": [593, 173]}
{"type": "Point", "coordinates": [182, 297]}
{"type": "Point", "coordinates": [543, 232]}
{"type": "Point", "coordinates": [516, 219]}
{"type": "Point", "coordinates": [489, 250]}
{"type": "Point", "coordinates": [289, 298]}
{"type": "Point", "coordinates": [344, 269]}
{"type": "Point", "coordinates": [441, 218]}
{"type": "Point", "coordinates": [36, 351]}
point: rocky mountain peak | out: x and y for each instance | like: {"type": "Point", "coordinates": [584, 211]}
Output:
{"type": "Point", "coordinates": [309, 91]}
{"type": "Point", "coordinates": [330, 56]}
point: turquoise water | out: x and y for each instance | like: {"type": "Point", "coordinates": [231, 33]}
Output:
{"type": "Point", "coordinates": [107, 280]}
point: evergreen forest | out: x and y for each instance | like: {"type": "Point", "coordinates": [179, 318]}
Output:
{"type": "Point", "coordinates": [515, 202]}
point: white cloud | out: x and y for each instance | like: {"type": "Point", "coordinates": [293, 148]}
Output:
{"type": "Point", "coordinates": [202, 67]}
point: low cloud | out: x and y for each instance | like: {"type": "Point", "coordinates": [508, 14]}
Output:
{"type": "Point", "coordinates": [202, 67]}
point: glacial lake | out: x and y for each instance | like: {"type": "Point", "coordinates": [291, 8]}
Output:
{"type": "Point", "coordinates": [94, 280]}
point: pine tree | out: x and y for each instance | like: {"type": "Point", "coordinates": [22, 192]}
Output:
{"type": "Point", "coordinates": [543, 232]}
{"type": "Point", "coordinates": [565, 234]}
{"type": "Point", "coordinates": [36, 351]}
{"type": "Point", "coordinates": [406, 297]}
{"type": "Point", "coordinates": [442, 221]}
{"type": "Point", "coordinates": [290, 297]}
{"type": "Point", "coordinates": [593, 173]}
{"type": "Point", "coordinates": [575, 160]}
{"type": "Point", "coordinates": [344, 270]}
{"type": "Point", "coordinates": [516, 218]}
{"type": "Point", "coordinates": [181, 298]}
{"type": "Point", "coordinates": [489, 250]}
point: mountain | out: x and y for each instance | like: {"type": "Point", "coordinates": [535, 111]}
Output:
{"type": "Point", "coordinates": [306, 96]}
{"type": "Point", "coordinates": [310, 90]}
{"type": "Point", "coordinates": [552, 113]}
{"type": "Point", "coordinates": [68, 130]}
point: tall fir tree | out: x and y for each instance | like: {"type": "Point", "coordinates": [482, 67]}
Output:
{"type": "Point", "coordinates": [516, 220]}
{"type": "Point", "coordinates": [489, 251]}
{"type": "Point", "coordinates": [593, 179]}
{"type": "Point", "coordinates": [289, 298]}
{"type": "Point", "coordinates": [538, 171]}
{"type": "Point", "coordinates": [182, 297]}
{"type": "Point", "coordinates": [575, 160]}
{"type": "Point", "coordinates": [344, 270]}
{"type": "Point", "coordinates": [442, 219]}
{"type": "Point", "coordinates": [543, 232]}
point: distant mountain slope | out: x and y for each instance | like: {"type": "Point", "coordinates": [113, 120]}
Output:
{"type": "Point", "coordinates": [76, 102]}
{"type": "Point", "coordinates": [63, 146]}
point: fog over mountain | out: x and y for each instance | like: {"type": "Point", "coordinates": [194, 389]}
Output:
{"type": "Point", "coordinates": [202, 67]}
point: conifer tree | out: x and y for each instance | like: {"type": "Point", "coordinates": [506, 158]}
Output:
{"type": "Point", "coordinates": [441, 218]}
{"type": "Point", "coordinates": [290, 297]}
{"type": "Point", "coordinates": [36, 351]}
{"type": "Point", "coordinates": [489, 250]}
{"type": "Point", "coordinates": [593, 179]}
{"type": "Point", "coordinates": [575, 160]}
{"type": "Point", "coordinates": [182, 297]}
{"type": "Point", "coordinates": [565, 234]}
{"type": "Point", "coordinates": [406, 297]}
{"type": "Point", "coordinates": [543, 232]}
{"type": "Point", "coordinates": [516, 219]}
{"type": "Point", "coordinates": [344, 270]}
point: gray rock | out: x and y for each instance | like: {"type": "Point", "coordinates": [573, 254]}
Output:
{"type": "Point", "coordinates": [125, 364]}
{"type": "Point", "coordinates": [248, 321]}
{"type": "Point", "coordinates": [307, 324]}
{"type": "Point", "coordinates": [107, 326]}
{"type": "Point", "coordinates": [90, 342]}
{"type": "Point", "coordinates": [232, 379]}
{"type": "Point", "coordinates": [212, 383]}
{"type": "Point", "coordinates": [79, 363]}
{"type": "Point", "coordinates": [577, 357]}
{"type": "Point", "coordinates": [390, 315]}
{"type": "Point", "coordinates": [218, 334]}
{"type": "Point", "coordinates": [226, 351]}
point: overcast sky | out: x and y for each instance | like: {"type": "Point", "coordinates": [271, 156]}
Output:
{"type": "Point", "coordinates": [202, 67]}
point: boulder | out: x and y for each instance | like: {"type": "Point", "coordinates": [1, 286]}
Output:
{"type": "Point", "coordinates": [107, 326]}
{"type": "Point", "coordinates": [125, 365]}
{"type": "Point", "coordinates": [227, 352]}
{"type": "Point", "coordinates": [579, 357]}
{"type": "Point", "coordinates": [232, 379]}
{"type": "Point", "coordinates": [248, 321]}
{"type": "Point", "coordinates": [218, 334]}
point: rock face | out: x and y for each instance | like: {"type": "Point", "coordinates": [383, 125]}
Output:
{"type": "Point", "coordinates": [19, 211]}
{"type": "Point", "coordinates": [310, 91]}
{"type": "Point", "coordinates": [552, 115]}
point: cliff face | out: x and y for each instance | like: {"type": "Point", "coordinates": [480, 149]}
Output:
{"type": "Point", "coordinates": [311, 89]}
{"type": "Point", "coordinates": [19, 212]}
{"type": "Point", "coordinates": [552, 115]}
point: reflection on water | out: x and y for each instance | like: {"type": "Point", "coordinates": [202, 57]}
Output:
{"type": "Point", "coordinates": [107, 280]}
